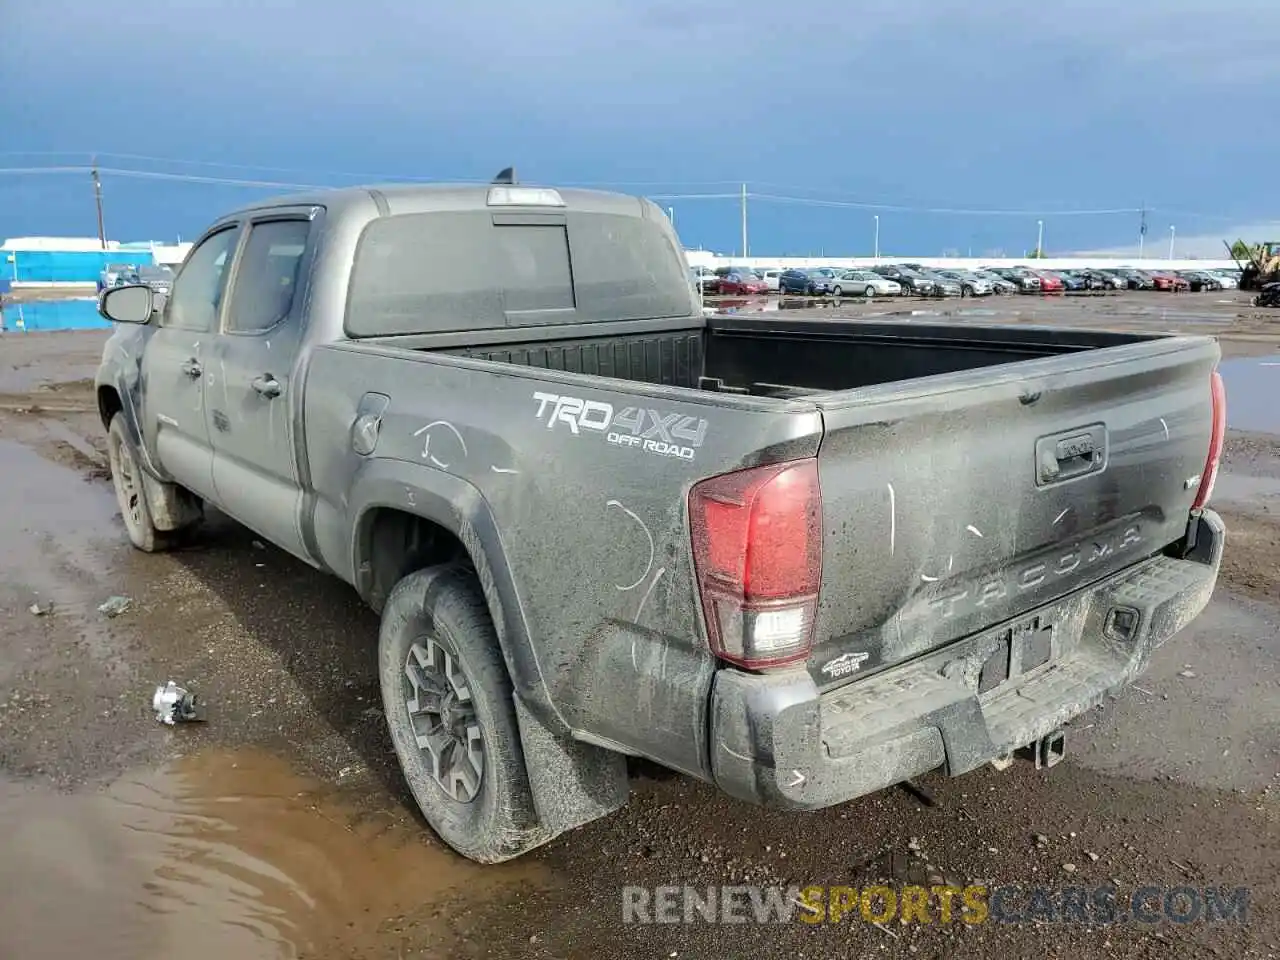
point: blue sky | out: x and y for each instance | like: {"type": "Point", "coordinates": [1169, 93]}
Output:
{"type": "Point", "coordinates": [907, 107]}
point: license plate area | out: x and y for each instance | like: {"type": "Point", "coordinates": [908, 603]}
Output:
{"type": "Point", "coordinates": [1020, 648]}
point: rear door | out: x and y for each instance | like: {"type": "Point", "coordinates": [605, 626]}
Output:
{"type": "Point", "coordinates": [954, 503]}
{"type": "Point", "coordinates": [251, 396]}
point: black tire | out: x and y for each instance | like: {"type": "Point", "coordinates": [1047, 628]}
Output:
{"type": "Point", "coordinates": [444, 606]}
{"type": "Point", "coordinates": [966, 291]}
{"type": "Point", "coordinates": [126, 478]}
{"type": "Point", "coordinates": [837, 291]}
{"type": "Point", "coordinates": [870, 292]}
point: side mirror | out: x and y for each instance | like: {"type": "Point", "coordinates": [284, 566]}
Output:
{"type": "Point", "coordinates": [129, 304]}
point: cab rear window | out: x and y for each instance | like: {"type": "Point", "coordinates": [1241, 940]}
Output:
{"type": "Point", "coordinates": [471, 270]}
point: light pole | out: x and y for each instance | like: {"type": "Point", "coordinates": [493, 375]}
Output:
{"type": "Point", "coordinates": [1172, 234]}
{"type": "Point", "coordinates": [877, 246]}
{"type": "Point", "coordinates": [671, 212]}
{"type": "Point", "coordinates": [1040, 239]}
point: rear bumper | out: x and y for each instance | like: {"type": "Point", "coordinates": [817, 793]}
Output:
{"type": "Point", "coordinates": [776, 741]}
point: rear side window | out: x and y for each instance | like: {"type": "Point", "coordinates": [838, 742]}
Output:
{"type": "Point", "coordinates": [267, 277]}
{"type": "Point", "coordinates": [439, 272]}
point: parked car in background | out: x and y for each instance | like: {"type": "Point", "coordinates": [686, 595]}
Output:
{"type": "Point", "coordinates": [739, 282]}
{"type": "Point", "coordinates": [942, 286]}
{"type": "Point", "coordinates": [770, 278]}
{"type": "Point", "coordinates": [999, 284]}
{"type": "Point", "coordinates": [971, 285]}
{"type": "Point", "coordinates": [1201, 280]}
{"type": "Point", "coordinates": [1095, 279]}
{"type": "Point", "coordinates": [156, 276]}
{"type": "Point", "coordinates": [1229, 279]}
{"type": "Point", "coordinates": [1168, 281]}
{"type": "Point", "coordinates": [704, 279]}
{"type": "Point", "coordinates": [809, 283]}
{"type": "Point", "coordinates": [912, 281]}
{"type": "Point", "coordinates": [1070, 281]}
{"type": "Point", "coordinates": [1050, 282]}
{"type": "Point", "coordinates": [1027, 281]}
{"type": "Point", "coordinates": [864, 283]}
{"type": "Point", "coordinates": [116, 275]}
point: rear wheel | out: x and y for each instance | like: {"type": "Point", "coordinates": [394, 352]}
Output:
{"type": "Point", "coordinates": [451, 715]}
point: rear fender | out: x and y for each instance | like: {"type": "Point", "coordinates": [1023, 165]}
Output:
{"type": "Point", "coordinates": [572, 782]}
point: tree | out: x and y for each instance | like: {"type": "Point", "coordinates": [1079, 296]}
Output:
{"type": "Point", "coordinates": [1241, 250]}
{"type": "Point", "coordinates": [1036, 255]}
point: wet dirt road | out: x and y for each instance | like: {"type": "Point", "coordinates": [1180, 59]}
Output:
{"type": "Point", "coordinates": [280, 827]}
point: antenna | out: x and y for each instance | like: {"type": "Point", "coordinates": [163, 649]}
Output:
{"type": "Point", "coordinates": [507, 175]}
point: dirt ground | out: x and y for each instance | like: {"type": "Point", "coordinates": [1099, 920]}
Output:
{"type": "Point", "coordinates": [280, 827]}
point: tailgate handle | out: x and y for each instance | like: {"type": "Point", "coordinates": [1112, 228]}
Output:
{"type": "Point", "coordinates": [1071, 454]}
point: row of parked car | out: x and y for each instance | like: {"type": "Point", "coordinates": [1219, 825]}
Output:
{"type": "Point", "coordinates": [913, 279]}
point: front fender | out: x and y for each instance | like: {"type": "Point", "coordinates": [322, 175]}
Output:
{"type": "Point", "coordinates": [459, 507]}
{"type": "Point", "coordinates": [121, 372]}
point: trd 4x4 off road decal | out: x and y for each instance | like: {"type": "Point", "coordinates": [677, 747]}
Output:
{"type": "Point", "coordinates": [650, 431]}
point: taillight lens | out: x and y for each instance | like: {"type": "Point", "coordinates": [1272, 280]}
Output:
{"type": "Point", "coordinates": [757, 553]}
{"type": "Point", "coordinates": [1209, 476]}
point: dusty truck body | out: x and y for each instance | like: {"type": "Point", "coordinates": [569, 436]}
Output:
{"type": "Point", "coordinates": [802, 560]}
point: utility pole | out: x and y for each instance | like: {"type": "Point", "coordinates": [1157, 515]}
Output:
{"type": "Point", "coordinates": [745, 249]}
{"type": "Point", "coordinates": [877, 244]}
{"type": "Point", "coordinates": [97, 199]}
{"type": "Point", "coordinates": [1040, 239]}
{"type": "Point", "coordinates": [1142, 232]}
{"type": "Point", "coordinates": [1172, 233]}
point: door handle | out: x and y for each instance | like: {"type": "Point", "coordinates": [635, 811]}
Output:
{"type": "Point", "coordinates": [192, 368]}
{"type": "Point", "coordinates": [267, 385]}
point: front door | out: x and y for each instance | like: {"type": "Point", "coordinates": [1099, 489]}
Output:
{"type": "Point", "coordinates": [251, 400]}
{"type": "Point", "coordinates": [174, 364]}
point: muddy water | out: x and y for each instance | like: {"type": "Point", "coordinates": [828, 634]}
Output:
{"type": "Point", "coordinates": [1253, 385]}
{"type": "Point", "coordinates": [225, 855]}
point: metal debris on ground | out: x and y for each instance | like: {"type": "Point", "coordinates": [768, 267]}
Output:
{"type": "Point", "coordinates": [114, 606]}
{"type": "Point", "coordinates": [173, 704]}
{"type": "Point", "coordinates": [39, 609]}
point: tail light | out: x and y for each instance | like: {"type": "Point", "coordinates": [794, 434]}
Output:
{"type": "Point", "coordinates": [757, 553]}
{"type": "Point", "coordinates": [1209, 476]}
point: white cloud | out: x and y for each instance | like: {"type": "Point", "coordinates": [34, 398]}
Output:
{"type": "Point", "coordinates": [1198, 246]}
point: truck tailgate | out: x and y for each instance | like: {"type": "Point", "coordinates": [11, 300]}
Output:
{"type": "Point", "coordinates": [956, 502]}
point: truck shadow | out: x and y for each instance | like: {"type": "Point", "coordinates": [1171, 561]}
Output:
{"type": "Point", "coordinates": [321, 634]}
{"type": "Point", "coordinates": [325, 639]}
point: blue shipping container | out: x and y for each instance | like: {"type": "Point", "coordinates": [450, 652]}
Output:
{"type": "Point", "coordinates": [70, 266]}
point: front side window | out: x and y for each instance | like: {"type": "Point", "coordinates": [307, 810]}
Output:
{"type": "Point", "coordinates": [197, 291]}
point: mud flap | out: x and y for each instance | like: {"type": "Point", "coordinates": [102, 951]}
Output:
{"type": "Point", "coordinates": [172, 507]}
{"type": "Point", "coordinates": [573, 783]}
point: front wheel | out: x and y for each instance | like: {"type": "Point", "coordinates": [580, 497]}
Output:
{"type": "Point", "coordinates": [870, 292]}
{"type": "Point", "coordinates": [837, 291]}
{"type": "Point", "coordinates": [452, 718]}
{"type": "Point", "coordinates": [126, 477]}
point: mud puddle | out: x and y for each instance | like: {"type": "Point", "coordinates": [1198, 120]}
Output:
{"type": "Point", "coordinates": [227, 854]}
{"type": "Point", "coordinates": [1252, 387]}
{"type": "Point", "coordinates": [1241, 489]}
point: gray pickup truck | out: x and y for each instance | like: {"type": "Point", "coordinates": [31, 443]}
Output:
{"type": "Point", "coordinates": [801, 560]}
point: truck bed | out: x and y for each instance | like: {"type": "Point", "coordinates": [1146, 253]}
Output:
{"type": "Point", "coordinates": [765, 357]}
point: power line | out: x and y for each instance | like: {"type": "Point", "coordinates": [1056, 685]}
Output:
{"type": "Point", "coordinates": [811, 201]}
{"type": "Point", "coordinates": [133, 173]}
